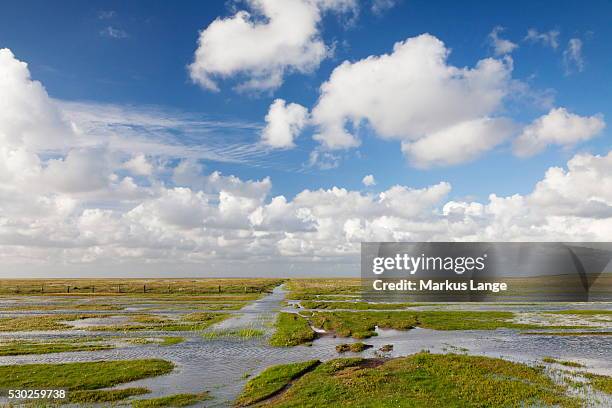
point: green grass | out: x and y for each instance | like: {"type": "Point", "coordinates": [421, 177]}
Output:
{"type": "Point", "coordinates": [45, 322]}
{"type": "Point", "coordinates": [136, 287]}
{"type": "Point", "coordinates": [171, 341]}
{"type": "Point", "coordinates": [247, 333]}
{"type": "Point", "coordinates": [552, 360]}
{"type": "Point", "coordinates": [354, 347]}
{"type": "Point", "coordinates": [80, 376]}
{"type": "Point", "coordinates": [291, 330]}
{"type": "Point", "coordinates": [362, 325]}
{"type": "Point", "coordinates": [162, 341]}
{"type": "Point", "coordinates": [464, 320]}
{"type": "Point", "coordinates": [99, 396]}
{"type": "Point", "coordinates": [600, 382]}
{"type": "Point", "coordinates": [177, 400]}
{"type": "Point", "coordinates": [65, 306]}
{"type": "Point", "coordinates": [424, 380]}
{"type": "Point", "coordinates": [311, 304]}
{"type": "Point", "coordinates": [190, 322]}
{"type": "Point", "coordinates": [17, 348]}
{"type": "Point", "coordinates": [271, 381]}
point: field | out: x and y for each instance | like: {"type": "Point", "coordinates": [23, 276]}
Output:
{"type": "Point", "coordinates": [290, 343]}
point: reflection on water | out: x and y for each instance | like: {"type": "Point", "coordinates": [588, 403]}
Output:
{"type": "Point", "coordinates": [219, 365]}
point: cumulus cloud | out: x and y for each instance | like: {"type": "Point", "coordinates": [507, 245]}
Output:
{"type": "Point", "coordinates": [75, 211]}
{"type": "Point", "coordinates": [572, 56]}
{"type": "Point", "coordinates": [557, 127]}
{"type": "Point", "coordinates": [368, 180]}
{"type": "Point", "coordinates": [549, 38]}
{"type": "Point", "coordinates": [263, 44]}
{"type": "Point", "coordinates": [500, 45]}
{"type": "Point", "coordinates": [139, 165]}
{"type": "Point", "coordinates": [457, 144]}
{"type": "Point", "coordinates": [27, 115]}
{"type": "Point", "coordinates": [284, 122]}
{"type": "Point", "coordinates": [412, 94]}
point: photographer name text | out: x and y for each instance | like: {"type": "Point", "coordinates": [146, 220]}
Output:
{"type": "Point", "coordinates": [431, 285]}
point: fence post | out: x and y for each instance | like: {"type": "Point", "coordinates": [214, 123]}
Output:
{"type": "Point", "coordinates": [93, 288]}
{"type": "Point", "coordinates": [68, 289]}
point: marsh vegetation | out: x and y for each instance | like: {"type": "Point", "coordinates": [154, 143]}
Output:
{"type": "Point", "coordinates": [234, 337]}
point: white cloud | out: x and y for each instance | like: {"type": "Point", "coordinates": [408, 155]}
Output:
{"type": "Point", "coordinates": [368, 180]}
{"type": "Point", "coordinates": [80, 171]}
{"type": "Point", "coordinates": [72, 210]}
{"type": "Point", "coordinates": [283, 124]}
{"type": "Point", "coordinates": [162, 132]}
{"type": "Point", "coordinates": [457, 144]}
{"type": "Point", "coordinates": [323, 160]}
{"type": "Point", "coordinates": [558, 127]}
{"type": "Point", "coordinates": [112, 32]}
{"type": "Point", "coordinates": [106, 14]}
{"type": "Point", "coordinates": [139, 165]}
{"type": "Point", "coordinates": [500, 45]}
{"type": "Point", "coordinates": [381, 6]}
{"type": "Point", "coordinates": [572, 56]}
{"type": "Point", "coordinates": [549, 38]}
{"type": "Point", "coordinates": [27, 115]}
{"type": "Point", "coordinates": [409, 95]}
{"type": "Point", "coordinates": [263, 44]}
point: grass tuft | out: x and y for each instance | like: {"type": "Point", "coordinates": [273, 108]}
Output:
{"type": "Point", "coordinates": [17, 348]}
{"type": "Point", "coordinates": [271, 381]}
{"type": "Point", "coordinates": [177, 400]}
{"type": "Point", "coordinates": [424, 380]}
{"type": "Point", "coordinates": [353, 347]}
{"type": "Point", "coordinates": [291, 330]}
{"type": "Point", "coordinates": [98, 396]}
{"type": "Point", "coordinates": [552, 360]}
{"type": "Point", "coordinates": [247, 333]}
{"type": "Point", "coordinates": [80, 376]}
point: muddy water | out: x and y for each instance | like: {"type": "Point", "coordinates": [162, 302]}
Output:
{"type": "Point", "coordinates": [220, 365]}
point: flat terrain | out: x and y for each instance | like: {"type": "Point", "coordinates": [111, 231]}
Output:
{"type": "Point", "coordinates": [226, 342]}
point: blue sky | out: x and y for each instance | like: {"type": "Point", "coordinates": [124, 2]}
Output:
{"type": "Point", "coordinates": [66, 52]}
{"type": "Point", "coordinates": [134, 56]}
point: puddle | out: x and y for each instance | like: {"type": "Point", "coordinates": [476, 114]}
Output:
{"type": "Point", "coordinates": [98, 321]}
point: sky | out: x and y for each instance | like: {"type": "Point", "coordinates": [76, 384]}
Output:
{"type": "Point", "coordinates": [271, 138]}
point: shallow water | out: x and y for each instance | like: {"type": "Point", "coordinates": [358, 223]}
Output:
{"type": "Point", "coordinates": [219, 365]}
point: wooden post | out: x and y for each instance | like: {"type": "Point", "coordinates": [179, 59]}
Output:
{"type": "Point", "coordinates": [68, 289]}
{"type": "Point", "coordinates": [144, 288]}
{"type": "Point", "coordinates": [219, 288]}
{"type": "Point", "coordinates": [42, 288]}
{"type": "Point", "coordinates": [93, 288]}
